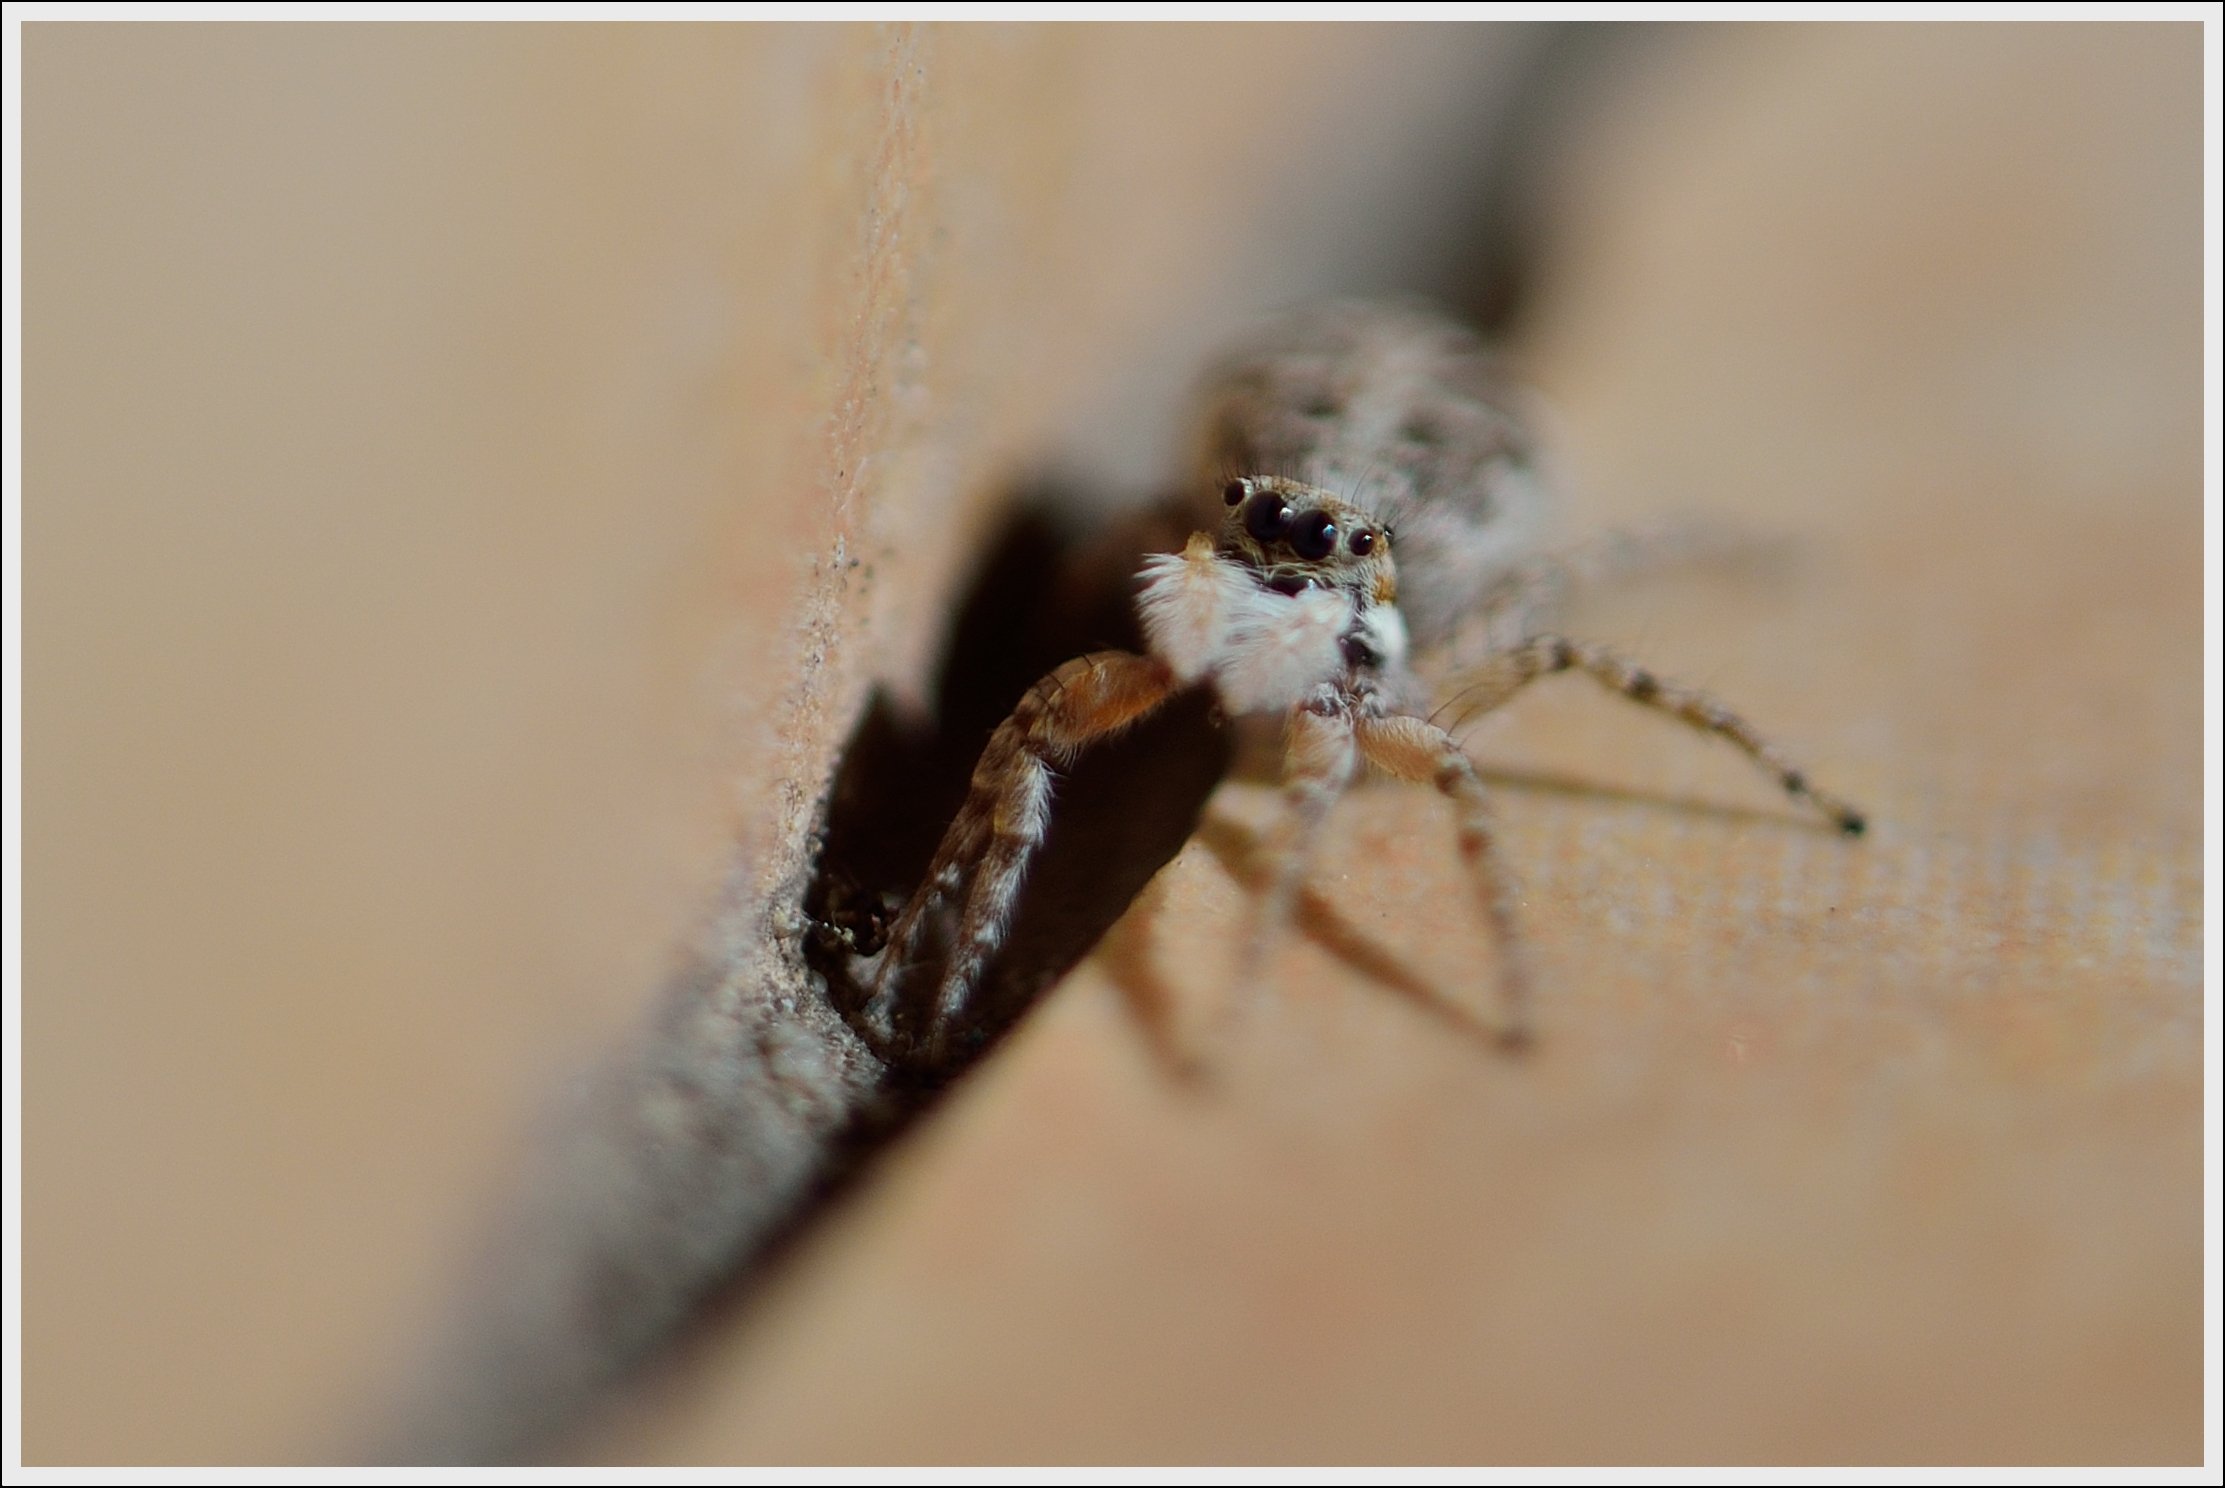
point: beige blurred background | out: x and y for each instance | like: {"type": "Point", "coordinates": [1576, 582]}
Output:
{"type": "Point", "coordinates": [446, 451]}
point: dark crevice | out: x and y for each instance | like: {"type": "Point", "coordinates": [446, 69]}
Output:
{"type": "Point", "coordinates": [1044, 593]}
{"type": "Point", "coordinates": [1485, 259]}
{"type": "Point", "coordinates": [644, 1219]}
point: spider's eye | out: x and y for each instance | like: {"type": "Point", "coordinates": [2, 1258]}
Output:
{"type": "Point", "coordinates": [1267, 519]}
{"type": "Point", "coordinates": [1234, 491]}
{"type": "Point", "coordinates": [1361, 542]}
{"type": "Point", "coordinates": [1315, 536]}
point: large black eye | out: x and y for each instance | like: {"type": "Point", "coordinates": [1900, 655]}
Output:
{"type": "Point", "coordinates": [1315, 536]}
{"type": "Point", "coordinates": [1361, 542]}
{"type": "Point", "coordinates": [1267, 518]}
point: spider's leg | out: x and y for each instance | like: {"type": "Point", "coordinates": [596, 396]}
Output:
{"type": "Point", "coordinates": [1318, 763]}
{"type": "Point", "coordinates": [1524, 600]}
{"type": "Point", "coordinates": [1540, 656]}
{"type": "Point", "coordinates": [1414, 749]}
{"type": "Point", "coordinates": [1514, 607]}
{"type": "Point", "coordinates": [986, 852]}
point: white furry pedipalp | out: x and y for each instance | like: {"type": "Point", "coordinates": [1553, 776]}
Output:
{"type": "Point", "coordinates": [1206, 616]}
{"type": "Point", "coordinates": [1281, 647]}
{"type": "Point", "coordinates": [1186, 604]}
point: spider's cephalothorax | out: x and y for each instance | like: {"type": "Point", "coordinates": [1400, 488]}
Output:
{"type": "Point", "coordinates": [1292, 609]}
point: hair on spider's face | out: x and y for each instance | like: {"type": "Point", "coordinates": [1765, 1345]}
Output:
{"type": "Point", "coordinates": [1298, 537]}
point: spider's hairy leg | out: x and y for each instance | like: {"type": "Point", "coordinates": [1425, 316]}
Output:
{"type": "Point", "coordinates": [1524, 600]}
{"type": "Point", "coordinates": [1515, 607]}
{"type": "Point", "coordinates": [1319, 760]}
{"type": "Point", "coordinates": [1417, 750]}
{"type": "Point", "coordinates": [1003, 823]}
{"type": "Point", "coordinates": [1543, 655]}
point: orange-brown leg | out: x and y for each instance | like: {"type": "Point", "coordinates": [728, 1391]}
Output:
{"type": "Point", "coordinates": [1414, 749]}
{"type": "Point", "coordinates": [986, 852]}
{"type": "Point", "coordinates": [1318, 763]}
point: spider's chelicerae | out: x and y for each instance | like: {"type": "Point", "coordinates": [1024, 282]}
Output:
{"type": "Point", "coordinates": [1374, 545]}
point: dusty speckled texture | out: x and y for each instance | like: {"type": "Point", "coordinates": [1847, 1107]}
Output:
{"type": "Point", "coordinates": [475, 475]}
{"type": "Point", "coordinates": [447, 453]}
{"type": "Point", "coordinates": [1884, 1151]}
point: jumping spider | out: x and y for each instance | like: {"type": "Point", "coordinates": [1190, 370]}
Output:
{"type": "Point", "coordinates": [1292, 607]}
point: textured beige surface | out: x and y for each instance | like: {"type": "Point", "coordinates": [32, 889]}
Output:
{"type": "Point", "coordinates": [1881, 1151]}
{"type": "Point", "coordinates": [472, 474]}
{"type": "Point", "coordinates": [444, 452]}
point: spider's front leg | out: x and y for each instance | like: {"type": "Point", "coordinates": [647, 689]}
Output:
{"type": "Point", "coordinates": [1319, 760]}
{"type": "Point", "coordinates": [985, 854]}
{"type": "Point", "coordinates": [1414, 749]}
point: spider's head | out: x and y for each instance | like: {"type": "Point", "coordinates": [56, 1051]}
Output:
{"type": "Point", "coordinates": [1295, 594]}
{"type": "Point", "coordinates": [1297, 537]}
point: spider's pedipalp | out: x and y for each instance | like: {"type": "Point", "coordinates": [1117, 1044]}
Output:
{"type": "Point", "coordinates": [1209, 614]}
{"type": "Point", "coordinates": [1281, 648]}
{"type": "Point", "coordinates": [1187, 603]}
